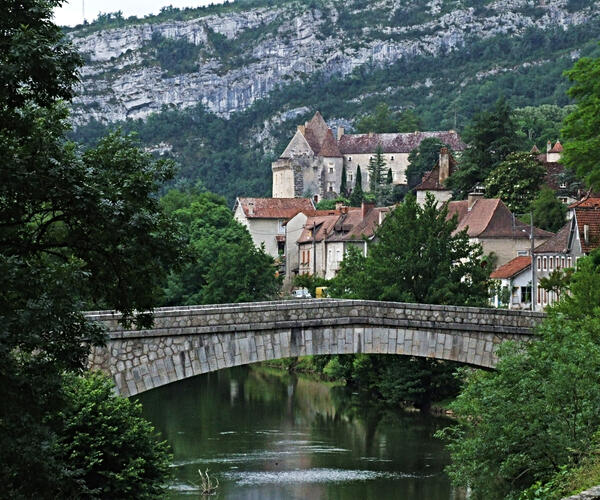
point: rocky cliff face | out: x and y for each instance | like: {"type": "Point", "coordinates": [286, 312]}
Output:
{"type": "Point", "coordinates": [240, 56]}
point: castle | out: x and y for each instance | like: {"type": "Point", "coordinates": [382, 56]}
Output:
{"type": "Point", "coordinates": [312, 163]}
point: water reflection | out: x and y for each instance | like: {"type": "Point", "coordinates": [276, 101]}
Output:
{"type": "Point", "coordinates": [271, 436]}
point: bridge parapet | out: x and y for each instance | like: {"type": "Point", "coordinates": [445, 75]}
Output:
{"type": "Point", "coordinates": [186, 341]}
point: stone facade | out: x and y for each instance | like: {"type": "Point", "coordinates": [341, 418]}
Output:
{"type": "Point", "coordinates": [189, 341]}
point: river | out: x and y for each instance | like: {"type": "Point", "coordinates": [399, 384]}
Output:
{"type": "Point", "coordinates": [268, 435]}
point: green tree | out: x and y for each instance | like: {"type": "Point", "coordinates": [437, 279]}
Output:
{"type": "Point", "coordinates": [582, 126]}
{"type": "Point", "coordinates": [390, 177]}
{"type": "Point", "coordinates": [537, 412]}
{"type": "Point", "coordinates": [344, 182]}
{"type": "Point", "coordinates": [430, 266]}
{"type": "Point", "coordinates": [124, 460]}
{"type": "Point", "coordinates": [77, 230]}
{"type": "Point", "coordinates": [409, 121]}
{"type": "Point", "coordinates": [382, 120]}
{"type": "Point", "coordinates": [376, 169]}
{"type": "Point", "coordinates": [224, 266]}
{"type": "Point", "coordinates": [516, 181]}
{"type": "Point", "coordinates": [540, 124]}
{"type": "Point", "coordinates": [549, 212]}
{"type": "Point", "coordinates": [491, 137]}
{"type": "Point", "coordinates": [357, 195]}
{"type": "Point", "coordinates": [422, 159]}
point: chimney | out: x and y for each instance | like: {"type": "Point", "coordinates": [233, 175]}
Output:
{"type": "Point", "coordinates": [586, 234]}
{"type": "Point", "coordinates": [444, 163]}
{"type": "Point", "coordinates": [366, 207]}
{"type": "Point", "coordinates": [251, 208]}
{"type": "Point", "coordinates": [473, 197]}
{"type": "Point", "coordinates": [339, 205]}
{"type": "Point", "coordinates": [302, 128]}
{"type": "Point", "coordinates": [340, 133]}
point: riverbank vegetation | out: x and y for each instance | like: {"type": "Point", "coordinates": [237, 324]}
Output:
{"type": "Point", "coordinates": [78, 230]}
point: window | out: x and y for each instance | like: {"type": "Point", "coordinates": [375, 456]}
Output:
{"type": "Point", "coordinates": [568, 261]}
{"type": "Point", "coordinates": [545, 264]}
{"type": "Point", "coordinates": [525, 294]}
{"type": "Point", "coordinates": [331, 170]}
{"type": "Point", "coordinates": [550, 263]}
{"type": "Point", "coordinates": [539, 295]}
{"type": "Point", "coordinates": [545, 296]}
{"type": "Point", "coordinates": [564, 199]}
{"type": "Point", "coordinates": [392, 158]}
{"type": "Point", "coordinates": [522, 253]}
{"type": "Point", "coordinates": [562, 262]}
{"type": "Point", "coordinates": [539, 263]}
{"type": "Point", "coordinates": [349, 158]}
{"type": "Point", "coordinates": [351, 177]}
{"type": "Point", "coordinates": [563, 185]}
{"type": "Point", "coordinates": [308, 256]}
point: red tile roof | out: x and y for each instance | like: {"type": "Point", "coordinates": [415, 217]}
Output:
{"type": "Point", "coordinates": [315, 132]}
{"type": "Point", "coordinates": [587, 213]}
{"type": "Point", "coordinates": [396, 143]}
{"type": "Point", "coordinates": [322, 226]}
{"type": "Point", "coordinates": [557, 148]}
{"type": "Point", "coordinates": [431, 180]}
{"type": "Point", "coordinates": [490, 218]}
{"type": "Point", "coordinates": [559, 243]}
{"type": "Point", "coordinates": [512, 268]}
{"type": "Point", "coordinates": [273, 208]}
{"type": "Point", "coordinates": [329, 148]}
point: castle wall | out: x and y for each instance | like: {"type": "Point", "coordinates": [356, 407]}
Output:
{"type": "Point", "coordinates": [398, 164]}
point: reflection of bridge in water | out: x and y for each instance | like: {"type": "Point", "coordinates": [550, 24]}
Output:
{"type": "Point", "coordinates": [189, 341]}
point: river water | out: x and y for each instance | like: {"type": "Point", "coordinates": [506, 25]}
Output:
{"type": "Point", "coordinates": [269, 436]}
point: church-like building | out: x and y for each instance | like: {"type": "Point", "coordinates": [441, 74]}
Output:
{"type": "Point", "coordinates": [312, 163]}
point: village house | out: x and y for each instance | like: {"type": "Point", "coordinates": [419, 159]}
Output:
{"type": "Point", "coordinates": [556, 178]}
{"type": "Point", "coordinates": [514, 284]}
{"type": "Point", "coordinates": [313, 161]}
{"type": "Point", "coordinates": [265, 218]}
{"type": "Point", "coordinates": [434, 181]}
{"type": "Point", "coordinates": [489, 221]}
{"type": "Point", "coordinates": [578, 237]}
{"type": "Point", "coordinates": [321, 239]}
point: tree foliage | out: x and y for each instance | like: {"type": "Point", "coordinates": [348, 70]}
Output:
{"type": "Point", "coordinates": [422, 159]}
{"type": "Point", "coordinates": [224, 266]}
{"type": "Point", "coordinates": [430, 266]}
{"type": "Point", "coordinates": [516, 181]}
{"type": "Point", "coordinates": [549, 212]}
{"type": "Point", "coordinates": [491, 137]}
{"type": "Point", "coordinates": [76, 230]}
{"type": "Point", "coordinates": [357, 194]}
{"type": "Point", "coordinates": [538, 411]}
{"type": "Point", "coordinates": [123, 460]}
{"type": "Point", "coordinates": [582, 126]}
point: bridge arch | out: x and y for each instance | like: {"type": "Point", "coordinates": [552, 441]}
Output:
{"type": "Point", "coordinates": [189, 341]}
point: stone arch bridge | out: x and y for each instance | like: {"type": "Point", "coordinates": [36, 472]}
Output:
{"type": "Point", "coordinates": [189, 341]}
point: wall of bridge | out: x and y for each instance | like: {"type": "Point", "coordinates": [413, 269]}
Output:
{"type": "Point", "coordinates": [189, 341]}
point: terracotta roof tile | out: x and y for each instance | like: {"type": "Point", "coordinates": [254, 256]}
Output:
{"type": "Point", "coordinates": [322, 224]}
{"type": "Point", "coordinates": [587, 213]}
{"type": "Point", "coordinates": [559, 243]}
{"type": "Point", "coordinates": [558, 148]}
{"type": "Point", "coordinates": [329, 148]}
{"type": "Point", "coordinates": [396, 143]}
{"type": "Point", "coordinates": [315, 132]}
{"type": "Point", "coordinates": [490, 218]}
{"type": "Point", "coordinates": [273, 208]}
{"type": "Point", "coordinates": [431, 180]}
{"type": "Point", "coordinates": [512, 268]}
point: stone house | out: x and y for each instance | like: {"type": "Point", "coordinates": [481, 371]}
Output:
{"type": "Point", "coordinates": [578, 237]}
{"type": "Point", "coordinates": [434, 181]}
{"type": "Point", "coordinates": [324, 238]}
{"type": "Point", "coordinates": [489, 221]}
{"type": "Point", "coordinates": [513, 278]}
{"type": "Point", "coordinates": [312, 162]}
{"type": "Point", "coordinates": [265, 218]}
{"type": "Point", "coordinates": [555, 171]}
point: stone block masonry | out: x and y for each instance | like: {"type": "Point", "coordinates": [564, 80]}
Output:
{"type": "Point", "coordinates": [189, 341]}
